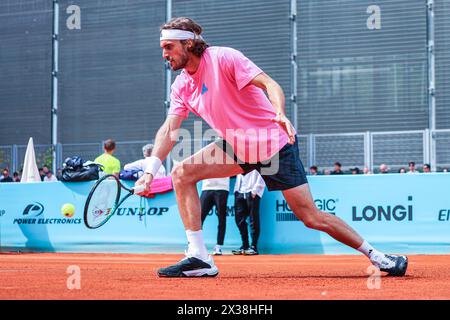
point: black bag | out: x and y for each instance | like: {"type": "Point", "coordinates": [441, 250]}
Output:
{"type": "Point", "coordinates": [74, 169]}
{"type": "Point", "coordinates": [85, 173]}
{"type": "Point", "coordinates": [73, 162]}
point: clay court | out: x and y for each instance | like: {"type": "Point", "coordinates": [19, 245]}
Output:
{"type": "Point", "coordinates": [287, 277]}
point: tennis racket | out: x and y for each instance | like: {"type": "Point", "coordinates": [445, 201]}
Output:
{"type": "Point", "coordinates": [104, 200]}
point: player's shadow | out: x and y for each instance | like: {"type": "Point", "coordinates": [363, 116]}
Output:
{"type": "Point", "coordinates": [337, 277]}
{"type": "Point", "coordinates": [37, 237]}
{"type": "Point", "coordinates": [298, 277]}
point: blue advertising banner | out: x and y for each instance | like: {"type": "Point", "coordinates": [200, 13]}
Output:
{"type": "Point", "coordinates": [31, 220]}
{"type": "Point", "coordinates": [394, 212]}
{"type": "Point", "coordinates": [407, 213]}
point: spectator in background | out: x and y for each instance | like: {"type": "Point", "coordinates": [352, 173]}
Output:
{"type": "Point", "coordinates": [41, 174]}
{"type": "Point", "coordinates": [111, 165]}
{"type": "Point", "coordinates": [215, 193]}
{"type": "Point", "coordinates": [313, 171]}
{"type": "Point", "coordinates": [366, 171]}
{"type": "Point", "coordinates": [16, 177]}
{"type": "Point", "coordinates": [426, 168]}
{"type": "Point", "coordinates": [327, 172]}
{"type": "Point", "coordinates": [49, 176]}
{"type": "Point", "coordinates": [445, 170]}
{"type": "Point", "coordinates": [6, 177]}
{"type": "Point", "coordinates": [412, 167]}
{"type": "Point", "coordinates": [248, 191]}
{"type": "Point", "coordinates": [355, 170]}
{"type": "Point", "coordinates": [141, 164]}
{"type": "Point", "coordinates": [337, 168]}
{"type": "Point", "coordinates": [402, 170]}
{"type": "Point", "coordinates": [384, 168]}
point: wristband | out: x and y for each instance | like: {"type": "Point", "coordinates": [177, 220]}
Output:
{"type": "Point", "coordinates": [152, 165]}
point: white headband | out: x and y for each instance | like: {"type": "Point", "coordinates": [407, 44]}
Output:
{"type": "Point", "coordinates": [177, 34]}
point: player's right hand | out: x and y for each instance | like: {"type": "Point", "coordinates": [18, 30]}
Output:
{"type": "Point", "coordinates": [286, 125]}
{"type": "Point", "coordinates": [145, 180]}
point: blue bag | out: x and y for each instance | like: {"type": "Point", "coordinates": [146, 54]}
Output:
{"type": "Point", "coordinates": [130, 174]}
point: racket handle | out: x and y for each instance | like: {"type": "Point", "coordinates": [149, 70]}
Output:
{"type": "Point", "coordinates": [139, 189]}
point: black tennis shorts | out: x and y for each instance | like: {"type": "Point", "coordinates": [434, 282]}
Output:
{"type": "Point", "coordinates": [290, 173]}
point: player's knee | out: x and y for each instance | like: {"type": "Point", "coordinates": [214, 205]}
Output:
{"type": "Point", "coordinates": [180, 174]}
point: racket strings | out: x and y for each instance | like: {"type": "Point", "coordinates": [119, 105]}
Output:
{"type": "Point", "coordinates": [103, 201]}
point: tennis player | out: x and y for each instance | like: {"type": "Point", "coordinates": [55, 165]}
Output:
{"type": "Point", "coordinates": [226, 89]}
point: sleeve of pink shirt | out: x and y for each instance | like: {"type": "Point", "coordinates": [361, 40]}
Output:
{"type": "Point", "coordinates": [177, 106]}
{"type": "Point", "coordinates": [241, 68]}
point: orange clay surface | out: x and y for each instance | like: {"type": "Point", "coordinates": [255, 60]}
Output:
{"type": "Point", "coordinates": [133, 276]}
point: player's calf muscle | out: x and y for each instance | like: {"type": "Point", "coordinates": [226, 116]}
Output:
{"type": "Point", "coordinates": [314, 220]}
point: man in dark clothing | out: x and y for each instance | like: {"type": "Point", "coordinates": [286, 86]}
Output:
{"type": "Point", "coordinates": [6, 177]}
{"type": "Point", "coordinates": [337, 168]}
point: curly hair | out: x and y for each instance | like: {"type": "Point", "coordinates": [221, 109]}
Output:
{"type": "Point", "coordinates": [187, 24]}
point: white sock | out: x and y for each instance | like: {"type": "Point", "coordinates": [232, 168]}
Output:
{"type": "Point", "coordinates": [196, 246]}
{"type": "Point", "coordinates": [368, 250]}
{"type": "Point", "coordinates": [376, 257]}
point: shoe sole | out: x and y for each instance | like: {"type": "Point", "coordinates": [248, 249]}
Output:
{"type": "Point", "coordinates": [199, 273]}
{"type": "Point", "coordinates": [400, 267]}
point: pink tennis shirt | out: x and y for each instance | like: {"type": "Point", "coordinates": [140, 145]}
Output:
{"type": "Point", "coordinates": [219, 93]}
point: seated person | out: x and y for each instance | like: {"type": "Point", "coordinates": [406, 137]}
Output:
{"type": "Point", "coordinates": [49, 176]}
{"type": "Point", "coordinates": [141, 164]}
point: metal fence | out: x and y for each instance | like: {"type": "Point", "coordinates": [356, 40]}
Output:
{"type": "Point", "coordinates": [329, 148]}
{"type": "Point", "coordinates": [366, 149]}
{"type": "Point", "coordinates": [440, 148]}
{"type": "Point", "coordinates": [6, 157]}
{"type": "Point", "coordinates": [12, 156]}
{"type": "Point", "coordinates": [398, 148]}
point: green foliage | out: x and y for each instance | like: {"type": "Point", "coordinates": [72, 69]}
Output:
{"type": "Point", "coordinates": [45, 158]}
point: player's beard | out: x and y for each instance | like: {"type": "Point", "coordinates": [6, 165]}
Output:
{"type": "Point", "coordinates": [181, 63]}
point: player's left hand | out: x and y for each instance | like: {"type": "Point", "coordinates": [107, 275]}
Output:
{"type": "Point", "coordinates": [286, 125]}
{"type": "Point", "coordinates": [145, 180]}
